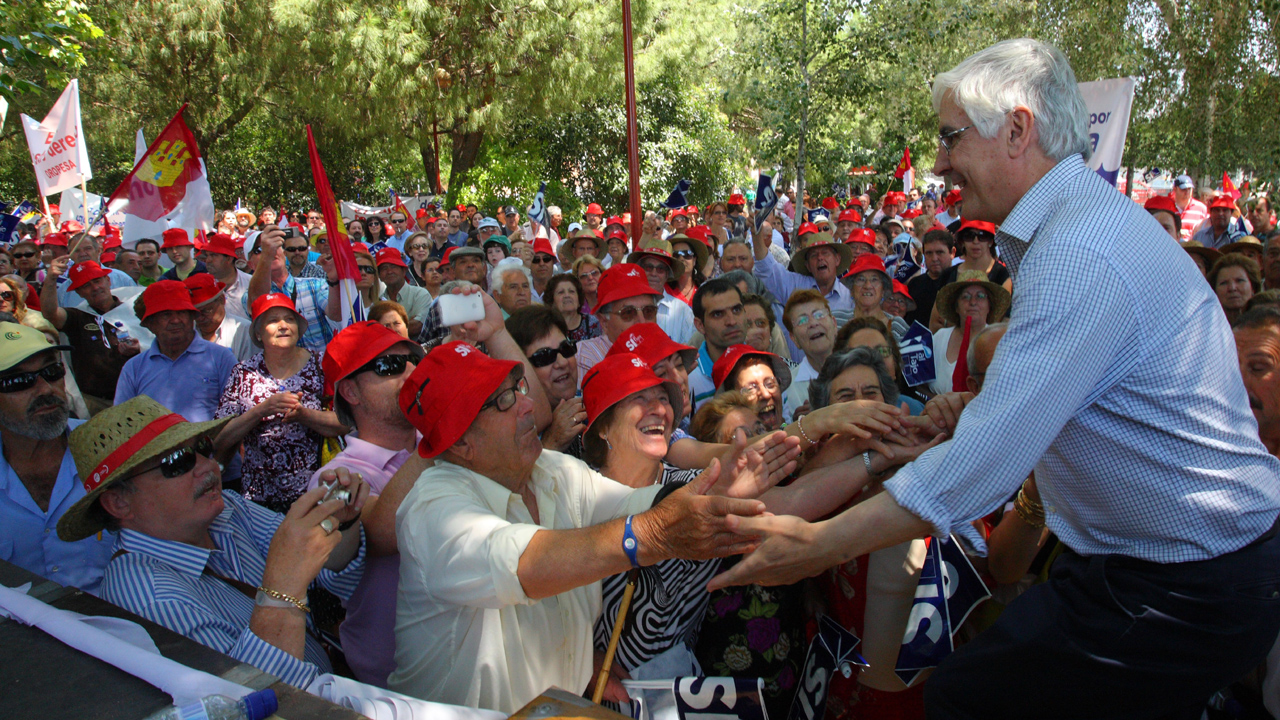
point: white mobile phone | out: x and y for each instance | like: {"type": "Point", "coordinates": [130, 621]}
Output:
{"type": "Point", "coordinates": [458, 309]}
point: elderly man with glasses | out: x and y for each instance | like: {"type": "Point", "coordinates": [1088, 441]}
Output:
{"type": "Point", "coordinates": [623, 298]}
{"type": "Point", "coordinates": [675, 317]}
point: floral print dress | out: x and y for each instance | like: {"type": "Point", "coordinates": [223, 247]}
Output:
{"type": "Point", "coordinates": [279, 456]}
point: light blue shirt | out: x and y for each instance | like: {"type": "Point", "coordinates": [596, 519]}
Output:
{"type": "Point", "coordinates": [165, 581]}
{"type": "Point", "coordinates": [1206, 237]}
{"type": "Point", "coordinates": [782, 282]}
{"type": "Point", "coordinates": [1117, 382]}
{"type": "Point", "coordinates": [190, 386]}
{"type": "Point", "coordinates": [29, 535]}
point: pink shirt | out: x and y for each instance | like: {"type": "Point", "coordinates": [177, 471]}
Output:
{"type": "Point", "coordinates": [591, 352]}
{"type": "Point", "coordinates": [1192, 215]}
{"type": "Point", "coordinates": [369, 632]}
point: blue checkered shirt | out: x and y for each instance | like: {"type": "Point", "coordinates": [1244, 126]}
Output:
{"type": "Point", "coordinates": [311, 297]}
{"type": "Point", "coordinates": [166, 582]}
{"type": "Point", "coordinates": [1117, 382]}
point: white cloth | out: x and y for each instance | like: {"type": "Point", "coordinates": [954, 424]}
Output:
{"type": "Point", "coordinates": [942, 367]}
{"type": "Point", "coordinates": [466, 633]}
{"type": "Point", "coordinates": [234, 335]}
{"type": "Point", "coordinates": [379, 704]}
{"type": "Point", "coordinates": [675, 317]}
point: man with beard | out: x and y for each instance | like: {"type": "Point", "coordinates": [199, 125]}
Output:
{"type": "Point", "coordinates": [808, 319]}
{"type": "Point", "coordinates": [718, 313]}
{"type": "Point", "coordinates": [38, 480]}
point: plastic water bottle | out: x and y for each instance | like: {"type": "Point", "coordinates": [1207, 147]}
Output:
{"type": "Point", "coordinates": [122, 330]}
{"type": "Point", "coordinates": [258, 705]}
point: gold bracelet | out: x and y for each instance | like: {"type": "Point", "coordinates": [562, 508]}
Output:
{"type": "Point", "coordinates": [803, 434]}
{"type": "Point", "coordinates": [1031, 513]}
{"type": "Point", "coordinates": [300, 604]}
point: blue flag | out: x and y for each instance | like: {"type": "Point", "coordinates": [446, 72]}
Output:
{"type": "Point", "coordinates": [949, 590]}
{"type": "Point", "coordinates": [766, 199]}
{"type": "Point", "coordinates": [917, 355]}
{"type": "Point", "coordinates": [832, 649]}
{"type": "Point", "coordinates": [719, 698]}
{"type": "Point", "coordinates": [538, 210]}
{"type": "Point", "coordinates": [676, 199]}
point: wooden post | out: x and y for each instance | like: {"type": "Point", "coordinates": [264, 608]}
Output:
{"type": "Point", "coordinates": [633, 131]}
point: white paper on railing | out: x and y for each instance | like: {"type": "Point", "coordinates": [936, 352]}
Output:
{"type": "Point", "coordinates": [381, 704]}
{"type": "Point", "coordinates": [186, 685]}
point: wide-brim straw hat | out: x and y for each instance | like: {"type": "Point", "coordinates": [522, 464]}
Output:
{"type": "Point", "coordinates": [999, 298]}
{"type": "Point", "coordinates": [112, 444]}
{"type": "Point", "coordinates": [1248, 242]}
{"type": "Point", "coordinates": [699, 248]}
{"type": "Point", "coordinates": [1209, 255]}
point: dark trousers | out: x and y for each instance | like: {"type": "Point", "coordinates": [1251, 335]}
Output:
{"type": "Point", "coordinates": [1114, 637]}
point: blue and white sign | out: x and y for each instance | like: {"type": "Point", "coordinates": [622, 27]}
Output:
{"type": "Point", "coordinates": [917, 355]}
{"type": "Point", "coordinates": [538, 210]}
{"type": "Point", "coordinates": [719, 698]}
{"type": "Point", "coordinates": [1109, 103]}
{"type": "Point", "coordinates": [948, 591]}
{"type": "Point", "coordinates": [833, 648]}
{"type": "Point", "coordinates": [766, 199]}
{"type": "Point", "coordinates": [676, 199]}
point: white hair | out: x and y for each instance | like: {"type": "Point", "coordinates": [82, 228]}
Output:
{"type": "Point", "coordinates": [498, 272]}
{"type": "Point", "coordinates": [989, 84]}
{"type": "Point", "coordinates": [554, 210]}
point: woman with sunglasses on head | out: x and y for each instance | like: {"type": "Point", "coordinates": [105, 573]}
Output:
{"type": "Point", "coordinates": [274, 400]}
{"type": "Point", "coordinates": [375, 231]}
{"type": "Point", "coordinates": [542, 335]}
{"type": "Point", "coordinates": [564, 293]}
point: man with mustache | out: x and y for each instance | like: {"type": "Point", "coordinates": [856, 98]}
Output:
{"type": "Point", "coordinates": [38, 483]}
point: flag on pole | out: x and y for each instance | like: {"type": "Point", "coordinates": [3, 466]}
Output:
{"type": "Point", "coordinates": [396, 202]}
{"type": "Point", "coordinates": [1229, 188]}
{"type": "Point", "coordinates": [538, 210]}
{"type": "Point", "coordinates": [905, 171]}
{"type": "Point", "coordinates": [58, 151]}
{"type": "Point", "coordinates": [344, 259]}
{"type": "Point", "coordinates": [676, 199]}
{"type": "Point", "coordinates": [159, 181]}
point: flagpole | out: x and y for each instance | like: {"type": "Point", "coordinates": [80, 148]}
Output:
{"type": "Point", "coordinates": [633, 132]}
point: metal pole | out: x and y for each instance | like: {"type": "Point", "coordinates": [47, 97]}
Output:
{"type": "Point", "coordinates": [633, 131]}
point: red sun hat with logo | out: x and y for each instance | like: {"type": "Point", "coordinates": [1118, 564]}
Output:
{"type": "Point", "coordinates": [221, 244]}
{"type": "Point", "coordinates": [164, 295]}
{"type": "Point", "coordinates": [71, 226]}
{"type": "Point", "coordinates": [830, 203]}
{"type": "Point", "coordinates": [894, 198]}
{"type": "Point", "coordinates": [271, 300]}
{"type": "Point", "coordinates": [865, 262]}
{"type": "Point", "coordinates": [613, 220]}
{"type": "Point", "coordinates": [736, 353]}
{"type": "Point", "coordinates": [390, 256]}
{"type": "Point", "coordinates": [653, 345]}
{"type": "Point", "coordinates": [806, 228]}
{"type": "Point", "coordinates": [107, 258]}
{"type": "Point", "coordinates": [85, 272]}
{"type": "Point", "coordinates": [680, 212]}
{"type": "Point", "coordinates": [700, 232]}
{"type": "Point", "coordinates": [849, 215]}
{"type": "Point", "coordinates": [952, 198]}
{"type": "Point", "coordinates": [443, 395]}
{"type": "Point", "coordinates": [691, 208]}
{"type": "Point", "coordinates": [58, 239]}
{"type": "Point", "coordinates": [855, 203]}
{"type": "Point", "coordinates": [1161, 202]}
{"type": "Point", "coordinates": [204, 287]}
{"type": "Point", "coordinates": [620, 282]}
{"type": "Point", "coordinates": [354, 347]}
{"type": "Point", "coordinates": [360, 248]}
{"type": "Point", "coordinates": [618, 235]}
{"type": "Point", "coordinates": [422, 212]}
{"type": "Point", "coordinates": [1223, 201]}
{"type": "Point", "coordinates": [112, 242]}
{"type": "Point", "coordinates": [594, 209]}
{"type": "Point", "coordinates": [979, 225]}
{"type": "Point", "coordinates": [912, 214]}
{"type": "Point", "coordinates": [862, 235]}
{"type": "Point", "coordinates": [176, 237]}
{"type": "Point", "coordinates": [616, 377]}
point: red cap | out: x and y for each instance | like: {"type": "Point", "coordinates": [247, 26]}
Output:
{"type": "Point", "coordinates": [460, 208]}
{"type": "Point", "coordinates": [865, 262]}
{"type": "Point", "coordinates": [163, 295]}
{"type": "Point", "coordinates": [422, 212]}
{"type": "Point", "coordinates": [112, 242]}
{"type": "Point", "coordinates": [390, 256]}
{"type": "Point", "coordinates": [985, 227]}
{"type": "Point", "coordinates": [71, 226]}
{"type": "Point", "coordinates": [691, 208]}
{"type": "Point", "coordinates": [1223, 201]}
{"type": "Point", "coordinates": [594, 209]}
{"type": "Point", "coordinates": [729, 360]}
{"type": "Point", "coordinates": [444, 394]}
{"type": "Point", "coordinates": [84, 272]}
{"type": "Point", "coordinates": [598, 233]}
{"type": "Point", "coordinates": [951, 198]}
{"type": "Point", "coordinates": [107, 258]}
{"type": "Point", "coordinates": [620, 282]}
{"type": "Point", "coordinates": [830, 203]}
{"type": "Point", "coordinates": [611, 380]}
{"type": "Point", "coordinates": [360, 248]}
{"type": "Point", "coordinates": [55, 239]}
{"type": "Point", "coordinates": [55, 210]}
{"type": "Point", "coordinates": [618, 235]}
{"type": "Point", "coordinates": [806, 228]}
{"type": "Point", "coordinates": [1161, 202]}
{"type": "Point", "coordinates": [204, 287]}
{"type": "Point", "coordinates": [613, 220]}
{"type": "Point", "coordinates": [540, 245]}
{"type": "Point", "coordinates": [912, 214]}
{"type": "Point", "coordinates": [862, 235]}
{"type": "Point", "coordinates": [849, 215]}
{"type": "Point", "coordinates": [653, 345]}
{"type": "Point", "coordinates": [700, 232]}
{"type": "Point", "coordinates": [894, 198]}
{"type": "Point", "coordinates": [352, 348]}
{"type": "Point", "coordinates": [176, 237]}
{"type": "Point", "coordinates": [737, 199]}
{"type": "Point", "coordinates": [220, 244]}
{"type": "Point", "coordinates": [900, 288]}
{"type": "Point", "coordinates": [855, 203]}
{"type": "Point", "coordinates": [271, 300]}
{"type": "Point", "coordinates": [680, 212]}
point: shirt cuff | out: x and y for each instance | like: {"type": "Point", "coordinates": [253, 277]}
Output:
{"type": "Point", "coordinates": [343, 583]}
{"type": "Point", "coordinates": [268, 658]}
{"type": "Point", "coordinates": [506, 545]}
{"type": "Point", "coordinates": [942, 524]}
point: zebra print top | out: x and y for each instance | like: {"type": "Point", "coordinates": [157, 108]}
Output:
{"type": "Point", "coordinates": [668, 605]}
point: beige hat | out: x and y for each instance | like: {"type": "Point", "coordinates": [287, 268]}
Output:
{"type": "Point", "coordinates": [1244, 243]}
{"type": "Point", "coordinates": [946, 302]}
{"type": "Point", "coordinates": [1194, 248]}
{"type": "Point", "coordinates": [113, 443]}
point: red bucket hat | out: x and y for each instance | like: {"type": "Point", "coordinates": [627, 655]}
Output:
{"type": "Point", "coordinates": [57, 239]}
{"type": "Point", "coordinates": [865, 262]}
{"type": "Point", "coordinates": [622, 281]}
{"type": "Point", "coordinates": [849, 215]}
{"type": "Point", "coordinates": [593, 209]}
{"type": "Point", "coordinates": [204, 287]}
{"type": "Point", "coordinates": [912, 214]}
{"type": "Point", "coordinates": [618, 235]}
{"type": "Point", "coordinates": [691, 208]}
{"type": "Point", "coordinates": [107, 258]}
{"type": "Point", "coordinates": [980, 225]}
{"type": "Point", "coordinates": [1161, 202]}
{"type": "Point", "coordinates": [272, 300]}
{"type": "Point", "coordinates": [611, 380]}
{"type": "Point", "coordinates": [736, 199]}
{"type": "Point", "coordinates": [806, 228]}
{"type": "Point", "coordinates": [699, 232]}
{"type": "Point", "coordinates": [830, 203]}
{"type": "Point", "coordinates": [613, 220]}
{"type": "Point", "coordinates": [390, 256]}
{"type": "Point", "coordinates": [71, 226]}
{"type": "Point", "coordinates": [894, 198]}
{"type": "Point", "coordinates": [862, 235]}
{"type": "Point", "coordinates": [653, 345]}
{"type": "Point", "coordinates": [221, 244]}
{"type": "Point", "coordinates": [543, 245]}
{"type": "Point", "coordinates": [442, 410]}
{"type": "Point", "coordinates": [85, 272]}
{"type": "Point", "coordinates": [736, 353]}
{"type": "Point", "coordinates": [1223, 201]}
{"type": "Point", "coordinates": [165, 295]}
{"type": "Point", "coordinates": [176, 237]}
{"type": "Point", "coordinates": [352, 348]}
{"type": "Point", "coordinates": [951, 198]}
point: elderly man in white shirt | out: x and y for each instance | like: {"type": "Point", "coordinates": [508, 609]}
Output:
{"type": "Point", "coordinates": [675, 317]}
{"type": "Point", "coordinates": [503, 545]}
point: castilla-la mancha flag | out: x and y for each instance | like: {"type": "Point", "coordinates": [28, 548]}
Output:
{"type": "Point", "coordinates": [904, 171]}
{"type": "Point", "coordinates": [158, 182]}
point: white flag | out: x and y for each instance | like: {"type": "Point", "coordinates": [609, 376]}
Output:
{"type": "Point", "coordinates": [1109, 103]}
{"type": "Point", "coordinates": [194, 212]}
{"type": "Point", "coordinates": [57, 145]}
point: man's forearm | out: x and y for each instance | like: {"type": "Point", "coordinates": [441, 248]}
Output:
{"type": "Point", "coordinates": [259, 281]}
{"type": "Point", "coordinates": [503, 347]}
{"type": "Point", "coordinates": [556, 561]}
{"type": "Point", "coordinates": [866, 527]}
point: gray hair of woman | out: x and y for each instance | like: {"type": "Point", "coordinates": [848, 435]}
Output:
{"type": "Point", "coordinates": [837, 363]}
{"type": "Point", "coordinates": [1022, 72]}
{"type": "Point", "coordinates": [755, 286]}
{"type": "Point", "coordinates": [498, 273]}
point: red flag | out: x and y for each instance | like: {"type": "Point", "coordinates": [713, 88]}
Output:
{"type": "Point", "coordinates": [344, 260]}
{"type": "Point", "coordinates": [400, 207]}
{"type": "Point", "coordinates": [159, 181]}
{"type": "Point", "coordinates": [1229, 188]}
{"type": "Point", "coordinates": [904, 165]}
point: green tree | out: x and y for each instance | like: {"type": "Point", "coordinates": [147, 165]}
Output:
{"type": "Point", "coordinates": [42, 44]}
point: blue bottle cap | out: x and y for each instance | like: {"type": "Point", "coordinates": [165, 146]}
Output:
{"type": "Point", "coordinates": [261, 705]}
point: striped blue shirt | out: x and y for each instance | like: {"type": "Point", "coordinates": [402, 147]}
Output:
{"type": "Point", "coordinates": [165, 581]}
{"type": "Point", "coordinates": [1117, 382]}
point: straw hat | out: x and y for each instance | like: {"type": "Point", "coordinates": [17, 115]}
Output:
{"type": "Point", "coordinates": [112, 443]}
{"type": "Point", "coordinates": [1209, 255]}
{"type": "Point", "coordinates": [1248, 242]}
{"type": "Point", "coordinates": [997, 295]}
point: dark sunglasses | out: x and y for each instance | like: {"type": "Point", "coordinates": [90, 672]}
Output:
{"type": "Point", "coordinates": [685, 254]}
{"type": "Point", "coordinates": [546, 356]}
{"type": "Point", "coordinates": [387, 365]}
{"type": "Point", "coordinates": [368, 269]}
{"type": "Point", "coordinates": [543, 260]}
{"type": "Point", "coordinates": [24, 255]}
{"type": "Point", "coordinates": [6, 295]}
{"type": "Point", "coordinates": [299, 249]}
{"type": "Point", "coordinates": [17, 382]}
{"type": "Point", "coordinates": [183, 460]}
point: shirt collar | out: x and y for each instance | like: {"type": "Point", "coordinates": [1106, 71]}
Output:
{"type": "Point", "coordinates": [186, 559]}
{"type": "Point", "coordinates": [376, 455]}
{"type": "Point", "coordinates": [704, 360]}
{"type": "Point", "coordinates": [1033, 209]}
{"type": "Point", "coordinates": [197, 346]}
{"type": "Point", "coordinates": [495, 495]}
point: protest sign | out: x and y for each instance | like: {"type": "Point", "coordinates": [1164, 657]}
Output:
{"type": "Point", "coordinates": [57, 146]}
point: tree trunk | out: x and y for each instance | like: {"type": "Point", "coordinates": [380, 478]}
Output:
{"type": "Point", "coordinates": [430, 160]}
{"type": "Point", "coordinates": [466, 148]}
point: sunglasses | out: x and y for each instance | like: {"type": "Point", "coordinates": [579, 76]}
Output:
{"type": "Point", "coordinates": [17, 382]}
{"type": "Point", "coordinates": [629, 313]}
{"type": "Point", "coordinates": [368, 269]}
{"type": "Point", "coordinates": [24, 255]}
{"type": "Point", "coordinates": [685, 254]}
{"type": "Point", "coordinates": [419, 247]}
{"type": "Point", "coordinates": [299, 249]}
{"type": "Point", "coordinates": [388, 365]}
{"type": "Point", "coordinates": [6, 296]}
{"type": "Point", "coordinates": [546, 356]}
{"type": "Point", "coordinates": [543, 260]}
{"type": "Point", "coordinates": [183, 460]}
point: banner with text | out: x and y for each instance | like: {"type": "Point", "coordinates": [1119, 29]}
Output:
{"type": "Point", "coordinates": [57, 146]}
{"type": "Point", "coordinates": [1109, 103]}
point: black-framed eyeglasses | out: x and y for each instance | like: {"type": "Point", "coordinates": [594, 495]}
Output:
{"type": "Point", "coordinates": [504, 400]}
{"type": "Point", "coordinates": [543, 259]}
{"type": "Point", "coordinates": [24, 255]}
{"type": "Point", "coordinates": [629, 313]}
{"type": "Point", "coordinates": [546, 356]}
{"type": "Point", "coordinates": [17, 382]}
{"type": "Point", "coordinates": [183, 460]}
{"type": "Point", "coordinates": [368, 270]}
{"type": "Point", "coordinates": [6, 295]}
{"type": "Point", "coordinates": [947, 139]}
{"type": "Point", "coordinates": [388, 365]}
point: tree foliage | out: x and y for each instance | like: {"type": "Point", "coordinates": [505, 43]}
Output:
{"type": "Point", "coordinates": [42, 44]}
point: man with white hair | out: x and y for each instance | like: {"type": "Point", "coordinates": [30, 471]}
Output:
{"type": "Point", "coordinates": [1110, 385]}
{"type": "Point", "coordinates": [510, 282]}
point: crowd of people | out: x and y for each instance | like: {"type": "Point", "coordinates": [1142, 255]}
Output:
{"type": "Point", "coordinates": [455, 512]}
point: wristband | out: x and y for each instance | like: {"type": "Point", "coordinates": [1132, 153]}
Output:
{"type": "Point", "coordinates": [630, 545]}
{"type": "Point", "coordinates": [866, 460]}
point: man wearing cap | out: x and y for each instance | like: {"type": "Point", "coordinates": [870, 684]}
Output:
{"type": "Point", "coordinates": [310, 296]}
{"type": "Point", "coordinates": [469, 264]}
{"type": "Point", "coordinates": [86, 249]}
{"type": "Point", "coordinates": [181, 252]}
{"type": "Point", "coordinates": [485, 229]}
{"type": "Point", "coordinates": [212, 320]}
{"type": "Point", "coordinates": [220, 259]}
{"type": "Point", "coordinates": [817, 265]}
{"type": "Point", "coordinates": [104, 334]}
{"type": "Point", "coordinates": [1220, 230]}
{"type": "Point", "coordinates": [1192, 211]}
{"type": "Point", "coordinates": [675, 317]}
{"type": "Point", "coordinates": [392, 271]}
{"type": "Point", "coordinates": [502, 544]}
{"type": "Point", "coordinates": [623, 298]}
{"type": "Point", "coordinates": [180, 370]}
{"type": "Point", "coordinates": [204, 562]}
{"type": "Point", "coordinates": [38, 480]}
{"type": "Point", "coordinates": [543, 266]}
{"type": "Point", "coordinates": [592, 217]}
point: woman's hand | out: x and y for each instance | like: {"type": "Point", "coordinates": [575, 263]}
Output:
{"type": "Point", "coordinates": [283, 404]}
{"type": "Point", "coordinates": [863, 419]}
{"type": "Point", "coordinates": [568, 421]}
